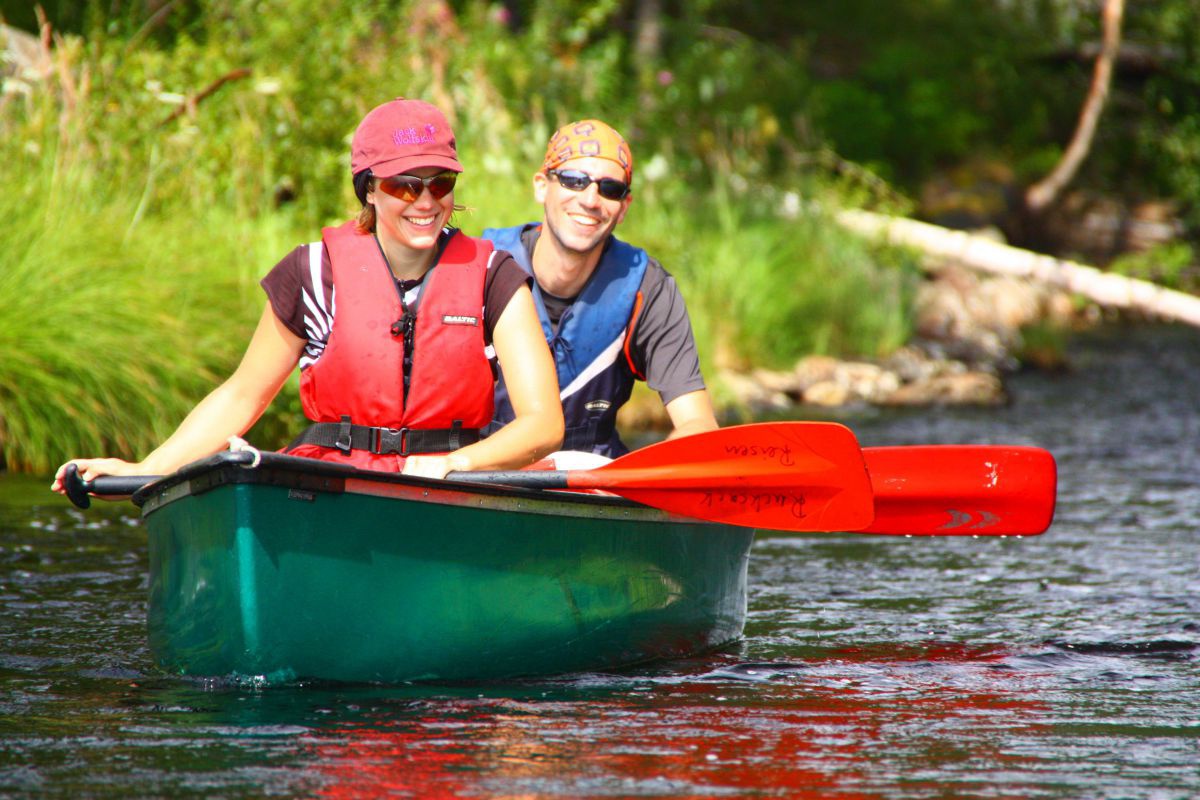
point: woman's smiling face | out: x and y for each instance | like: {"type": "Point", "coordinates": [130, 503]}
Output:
{"type": "Point", "coordinates": [412, 224]}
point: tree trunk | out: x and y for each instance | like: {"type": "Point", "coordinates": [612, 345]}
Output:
{"type": "Point", "coordinates": [647, 48]}
{"type": "Point", "coordinates": [648, 33]}
{"type": "Point", "coordinates": [1044, 192]}
{"type": "Point", "coordinates": [1104, 288]}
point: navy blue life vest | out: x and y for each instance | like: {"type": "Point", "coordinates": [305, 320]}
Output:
{"type": "Point", "coordinates": [591, 347]}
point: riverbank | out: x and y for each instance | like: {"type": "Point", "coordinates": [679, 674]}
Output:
{"type": "Point", "coordinates": [971, 332]}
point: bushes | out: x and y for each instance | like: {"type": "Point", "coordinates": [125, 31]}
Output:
{"type": "Point", "coordinates": [112, 327]}
{"type": "Point", "coordinates": [768, 280]}
{"type": "Point", "coordinates": [151, 182]}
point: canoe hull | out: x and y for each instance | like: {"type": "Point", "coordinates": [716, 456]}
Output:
{"type": "Point", "coordinates": [391, 581]}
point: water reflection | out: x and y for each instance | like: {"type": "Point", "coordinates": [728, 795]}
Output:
{"type": "Point", "coordinates": [847, 720]}
{"type": "Point", "coordinates": [803, 729]}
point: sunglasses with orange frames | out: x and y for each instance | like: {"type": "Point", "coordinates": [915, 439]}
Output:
{"type": "Point", "coordinates": [409, 187]}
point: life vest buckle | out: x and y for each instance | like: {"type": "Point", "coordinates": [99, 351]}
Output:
{"type": "Point", "coordinates": [344, 441]}
{"type": "Point", "coordinates": [389, 440]}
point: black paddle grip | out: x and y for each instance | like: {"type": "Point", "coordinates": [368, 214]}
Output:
{"type": "Point", "coordinates": [78, 489]}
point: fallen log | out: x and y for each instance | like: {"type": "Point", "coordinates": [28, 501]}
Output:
{"type": "Point", "coordinates": [977, 252]}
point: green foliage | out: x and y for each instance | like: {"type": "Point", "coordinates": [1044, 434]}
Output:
{"type": "Point", "coordinates": [1173, 265]}
{"type": "Point", "coordinates": [1166, 140]}
{"type": "Point", "coordinates": [768, 282]}
{"type": "Point", "coordinates": [113, 327]}
{"type": "Point", "coordinates": [908, 86]}
{"type": "Point", "coordinates": [165, 162]}
{"type": "Point", "coordinates": [723, 104]}
{"type": "Point", "coordinates": [1044, 347]}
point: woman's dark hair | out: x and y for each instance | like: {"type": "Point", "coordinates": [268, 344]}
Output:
{"type": "Point", "coordinates": [366, 217]}
{"type": "Point", "coordinates": [362, 185]}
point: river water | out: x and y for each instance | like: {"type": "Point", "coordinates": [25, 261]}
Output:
{"type": "Point", "coordinates": [1059, 666]}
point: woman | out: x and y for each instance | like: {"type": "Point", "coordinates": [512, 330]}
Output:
{"type": "Point", "coordinates": [394, 368]}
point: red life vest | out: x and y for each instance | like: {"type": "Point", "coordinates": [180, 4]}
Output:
{"type": "Point", "coordinates": [361, 371]}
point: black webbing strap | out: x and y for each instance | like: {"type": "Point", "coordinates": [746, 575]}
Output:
{"type": "Point", "coordinates": [402, 441]}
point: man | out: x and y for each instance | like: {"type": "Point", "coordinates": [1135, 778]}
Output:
{"type": "Point", "coordinates": [611, 314]}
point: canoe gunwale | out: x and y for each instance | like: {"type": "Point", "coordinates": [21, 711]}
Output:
{"type": "Point", "coordinates": [303, 475]}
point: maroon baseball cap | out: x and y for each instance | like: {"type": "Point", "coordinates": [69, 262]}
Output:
{"type": "Point", "coordinates": [401, 135]}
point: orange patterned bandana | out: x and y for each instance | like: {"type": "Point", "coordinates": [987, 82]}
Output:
{"type": "Point", "coordinates": [588, 138]}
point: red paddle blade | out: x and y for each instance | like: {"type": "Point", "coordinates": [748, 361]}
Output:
{"type": "Point", "coordinates": [786, 476]}
{"type": "Point", "coordinates": [973, 490]}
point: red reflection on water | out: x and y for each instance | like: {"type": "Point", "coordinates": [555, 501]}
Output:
{"type": "Point", "coordinates": [926, 651]}
{"type": "Point", "coordinates": [792, 736]}
{"type": "Point", "coordinates": [365, 762]}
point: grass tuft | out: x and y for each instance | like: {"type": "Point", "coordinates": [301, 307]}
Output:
{"type": "Point", "coordinates": [112, 328]}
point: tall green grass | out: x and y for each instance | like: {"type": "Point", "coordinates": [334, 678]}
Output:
{"type": "Point", "coordinates": [113, 327]}
{"type": "Point", "coordinates": [768, 279]}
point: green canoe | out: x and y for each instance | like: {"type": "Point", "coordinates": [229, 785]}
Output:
{"type": "Point", "coordinates": [299, 569]}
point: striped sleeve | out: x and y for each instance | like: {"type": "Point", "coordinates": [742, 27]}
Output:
{"type": "Point", "coordinates": [300, 290]}
{"type": "Point", "coordinates": [504, 278]}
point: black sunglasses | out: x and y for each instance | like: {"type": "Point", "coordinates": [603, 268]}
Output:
{"type": "Point", "coordinates": [409, 187]}
{"type": "Point", "coordinates": [577, 181]}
